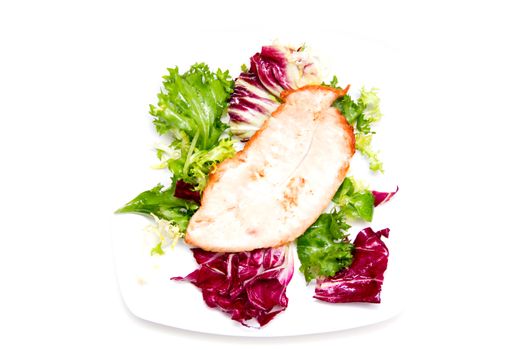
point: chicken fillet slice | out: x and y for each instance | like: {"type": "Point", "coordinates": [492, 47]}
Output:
{"type": "Point", "coordinates": [269, 193]}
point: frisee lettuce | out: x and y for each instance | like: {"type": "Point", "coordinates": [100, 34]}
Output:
{"type": "Point", "coordinates": [363, 143]}
{"type": "Point", "coordinates": [354, 201]}
{"type": "Point", "coordinates": [166, 233]}
{"type": "Point", "coordinates": [362, 114]}
{"type": "Point", "coordinates": [324, 248]}
{"type": "Point", "coordinates": [193, 102]}
{"type": "Point", "coordinates": [157, 250]}
{"type": "Point", "coordinates": [193, 165]}
{"type": "Point", "coordinates": [189, 110]}
{"type": "Point", "coordinates": [163, 204]}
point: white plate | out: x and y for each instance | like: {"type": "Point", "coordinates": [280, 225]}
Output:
{"type": "Point", "coordinates": [145, 280]}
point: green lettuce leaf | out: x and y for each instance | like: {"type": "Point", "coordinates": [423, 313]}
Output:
{"type": "Point", "coordinates": [193, 102]}
{"type": "Point", "coordinates": [193, 165]}
{"type": "Point", "coordinates": [362, 114]}
{"type": "Point", "coordinates": [371, 113]}
{"type": "Point", "coordinates": [163, 204]}
{"type": "Point", "coordinates": [157, 250]}
{"type": "Point", "coordinates": [324, 249]}
{"type": "Point", "coordinates": [354, 201]}
{"type": "Point", "coordinates": [363, 143]}
{"type": "Point", "coordinates": [189, 110]}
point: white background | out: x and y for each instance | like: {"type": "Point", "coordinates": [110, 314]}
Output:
{"type": "Point", "coordinates": [68, 72]}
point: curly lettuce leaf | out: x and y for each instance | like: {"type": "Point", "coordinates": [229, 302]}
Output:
{"type": "Point", "coordinates": [324, 248]}
{"type": "Point", "coordinates": [371, 113]}
{"type": "Point", "coordinates": [363, 143]}
{"type": "Point", "coordinates": [362, 281]}
{"type": "Point", "coordinates": [190, 107]}
{"type": "Point", "coordinates": [193, 102]}
{"type": "Point", "coordinates": [166, 233]}
{"type": "Point", "coordinates": [350, 109]}
{"type": "Point", "coordinates": [354, 201]}
{"type": "Point", "coordinates": [189, 110]}
{"type": "Point", "coordinates": [193, 165]}
{"type": "Point", "coordinates": [163, 204]}
{"type": "Point", "coordinates": [362, 114]}
{"type": "Point", "coordinates": [157, 250]}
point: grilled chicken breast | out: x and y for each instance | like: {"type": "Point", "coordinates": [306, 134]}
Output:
{"type": "Point", "coordinates": [279, 184]}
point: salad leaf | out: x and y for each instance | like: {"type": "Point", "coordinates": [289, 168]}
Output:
{"type": "Point", "coordinates": [362, 114]}
{"type": "Point", "coordinates": [193, 102]}
{"type": "Point", "coordinates": [157, 250]}
{"type": "Point", "coordinates": [333, 83]}
{"type": "Point", "coordinates": [163, 204]}
{"type": "Point", "coordinates": [383, 197]}
{"type": "Point", "coordinates": [185, 191]}
{"type": "Point", "coordinates": [189, 110]}
{"type": "Point", "coordinates": [248, 286]}
{"type": "Point", "coordinates": [324, 249]}
{"type": "Point", "coordinates": [363, 143]}
{"type": "Point", "coordinates": [270, 66]}
{"type": "Point", "coordinates": [362, 281]}
{"type": "Point", "coordinates": [371, 113]}
{"type": "Point", "coordinates": [350, 109]}
{"type": "Point", "coordinates": [194, 165]}
{"type": "Point", "coordinates": [167, 234]}
{"type": "Point", "coordinates": [354, 202]}
{"type": "Point", "coordinates": [250, 105]}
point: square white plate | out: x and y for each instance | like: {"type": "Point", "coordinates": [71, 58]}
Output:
{"type": "Point", "coordinates": [145, 280]}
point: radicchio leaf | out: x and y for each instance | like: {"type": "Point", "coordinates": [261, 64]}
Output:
{"type": "Point", "coordinates": [270, 67]}
{"type": "Point", "coordinates": [250, 105]}
{"type": "Point", "coordinates": [246, 285]}
{"type": "Point", "coordinates": [257, 91]}
{"type": "Point", "coordinates": [362, 280]}
{"type": "Point", "coordinates": [383, 197]}
{"type": "Point", "coordinates": [185, 191]}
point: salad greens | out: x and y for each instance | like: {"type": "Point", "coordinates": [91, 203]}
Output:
{"type": "Point", "coordinates": [324, 248]}
{"type": "Point", "coordinates": [188, 111]}
{"type": "Point", "coordinates": [249, 286]}
{"type": "Point", "coordinates": [190, 108]}
{"type": "Point", "coordinates": [193, 165]}
{"type": "Point", "coordinates": [362, 114]}
{"type": "Point", "coordinates": [167, 234]}
{"type": "Point", "coordinates": [163, 204]}
{"type": "Point", "coordinates": [193, 102]}
{"type": "Point", "coordinates": [354, 202]}
{"type": "Point", "coordinates": [362, 281]}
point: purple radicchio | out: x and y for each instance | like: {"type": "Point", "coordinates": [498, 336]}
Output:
{"type": "Point", "coordinates": [185, 190]}
{"type": "Point", "coordinates": [362, 280]}
{"type": "Point", "coordinates": [383, 197]}
{"type": "Point", "coordinates": [257, 91]}
{"type": "Point", "coordinates": [246, 285]}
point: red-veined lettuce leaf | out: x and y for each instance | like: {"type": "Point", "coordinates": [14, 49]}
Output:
{"type": "Point", "coordinates": [248, 285]}
{"type": "Point", "coordinates": [363, 279]}
{"type": "Point", "coordinates": [185, 190]}
{"type": "Point", "coordinates": [383, 197]}
{"type": "Point", "coordinates": [257, 91]}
